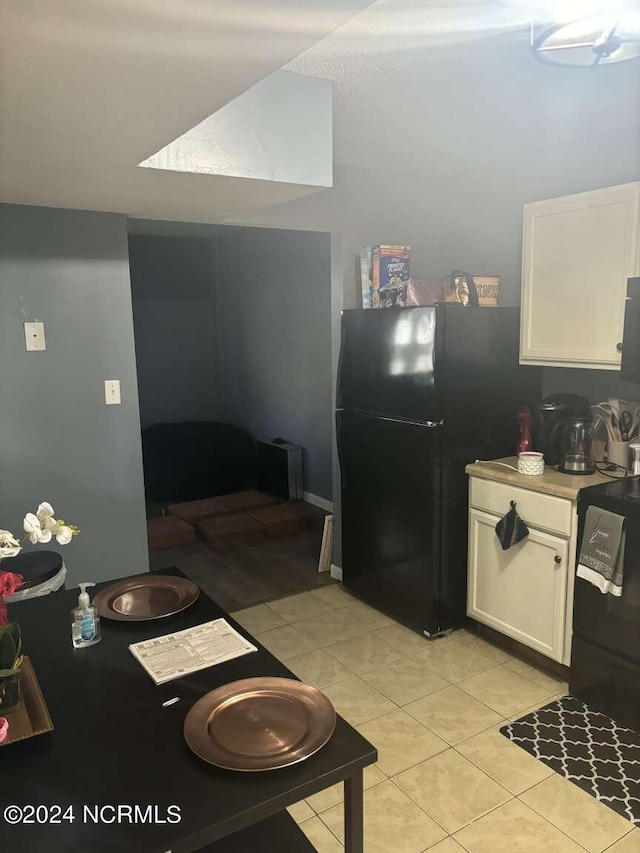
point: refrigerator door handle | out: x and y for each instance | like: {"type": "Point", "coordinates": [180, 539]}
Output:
{"type": "Point", "coordinates": [341, 365]}
{"type": "Point", "coordinates": [423, 424]}
{"type": "Point", "coordinates": [405, 421]}
{"type": "Point", "coordinates": [343, 478]}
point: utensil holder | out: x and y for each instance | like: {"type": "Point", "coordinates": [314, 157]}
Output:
{"type": "Point", "coordinates": [531, 463]}
{"type": "Point", "coordinates": [618, 453]}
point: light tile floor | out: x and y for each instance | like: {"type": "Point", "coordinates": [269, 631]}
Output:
{"type": "Point", "coordinates": [446, 780]}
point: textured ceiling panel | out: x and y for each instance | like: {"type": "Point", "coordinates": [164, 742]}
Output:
{"type": "Point", "coordinates": [89, 89]}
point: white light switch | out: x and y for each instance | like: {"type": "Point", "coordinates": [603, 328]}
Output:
{"type": "Point", "coordinates": [112, 392]}
{"type": "Point", "coordinates": [34, 337]}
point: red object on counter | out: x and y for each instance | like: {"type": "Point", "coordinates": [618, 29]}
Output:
{"type": "Point", "coordinates": [525, 421]}
{"type": "Point", "coordinates": [9, 583]}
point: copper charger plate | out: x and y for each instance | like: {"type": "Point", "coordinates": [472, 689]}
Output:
{"type": "Point", "coordinates": [259, 724]}
{"type": "Point", "coordinates": [142, 599]}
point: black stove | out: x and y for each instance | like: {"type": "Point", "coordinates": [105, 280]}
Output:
{"type": "Point", "coordinates": [605, 659]}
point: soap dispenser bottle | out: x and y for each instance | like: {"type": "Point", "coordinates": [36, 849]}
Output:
{"type": "Point", "coordinates": [85, 620]}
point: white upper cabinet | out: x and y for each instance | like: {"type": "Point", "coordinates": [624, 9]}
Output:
{"type": "Point", "coordinates": [578, 253]}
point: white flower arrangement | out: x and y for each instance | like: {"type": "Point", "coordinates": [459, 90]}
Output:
{"type": "Point", "coordinates": [40, 528]}
{"type": "Point", "coordinates": [9, 545]}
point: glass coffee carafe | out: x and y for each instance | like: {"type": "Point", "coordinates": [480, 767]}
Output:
{"type": "Point", "coordinates": [572, 439]}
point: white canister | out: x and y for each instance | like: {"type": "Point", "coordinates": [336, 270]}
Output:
{"type": "Point", "coordinates": [531, 463]}
{"type": "Point", "coordinates": [618, 453]}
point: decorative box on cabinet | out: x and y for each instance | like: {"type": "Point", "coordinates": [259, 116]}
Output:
{"type": "Point", "coordinates": [578, 252]}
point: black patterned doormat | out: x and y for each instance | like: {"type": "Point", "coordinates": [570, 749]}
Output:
{"type": "Point", "coordinates": [587, 748]}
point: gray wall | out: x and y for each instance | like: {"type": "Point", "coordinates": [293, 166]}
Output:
{"type": "Point", "coordinates": [469, 132]}
{"type": "Point", "coordinates": [59, 441]}
{"type": "Point", "coordinates": [235, 324]}
{"type": "Point", "coordinates": [274, 291]}
{"type": "Point", "coordinates": [595, 385]}
{"type": "Point", "coordinates": [174, 315]}
{"type": "Point", "coordinates": [476, 129]}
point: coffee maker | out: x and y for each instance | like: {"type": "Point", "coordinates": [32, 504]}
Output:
{"type": "Point", "coordinates": [572, 438]}
{"type": "Point", "coordinates": [551, 411]}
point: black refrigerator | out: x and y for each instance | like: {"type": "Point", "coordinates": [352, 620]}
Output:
{"type": "Point", "coordinates": [421, 393]}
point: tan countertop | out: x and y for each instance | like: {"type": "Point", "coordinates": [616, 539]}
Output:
{"type": "Point", "coordinates": [552, 482]}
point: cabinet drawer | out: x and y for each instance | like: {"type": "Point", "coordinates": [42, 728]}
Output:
{"type": "Point", "coordinates": [536, 509]}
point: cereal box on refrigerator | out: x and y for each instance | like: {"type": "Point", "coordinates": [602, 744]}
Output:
{"type": "Point", "coordinates": [389, 276]}
{"type": "Point", "coordinates": [364, 264]}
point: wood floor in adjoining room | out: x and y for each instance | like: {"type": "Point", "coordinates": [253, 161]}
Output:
{"type": "Point", "coordinates": [246, 575]}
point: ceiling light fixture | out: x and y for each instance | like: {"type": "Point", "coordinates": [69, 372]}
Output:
{"type": "Point", "coordinates": [586, 42]}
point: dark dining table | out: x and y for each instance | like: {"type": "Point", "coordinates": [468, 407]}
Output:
{"type": "Point", "coordinates": [115, 745]}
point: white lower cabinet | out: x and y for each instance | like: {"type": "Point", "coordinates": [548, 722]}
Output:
{"type": "Point", "coordinates": [521, 592]}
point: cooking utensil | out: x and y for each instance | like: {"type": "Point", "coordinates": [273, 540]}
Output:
{"type": "Point", "coordinates": [621, 418]}
{"type": "Point", "coordinates": [259, 724]}
{"type": "Point", "coordinates": [626, 423]}
{"type": "Point", "coordinates": [615, 425]}
{"type": "Point", "coordinates": [604, 415]}
{"type": "Point", "coordinates": [146, 598]}
{"type": "Point", "coordinates": [615, 407]}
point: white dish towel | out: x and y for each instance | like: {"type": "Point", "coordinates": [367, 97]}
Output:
{"type": "Point", "coordinates": [601, 559]}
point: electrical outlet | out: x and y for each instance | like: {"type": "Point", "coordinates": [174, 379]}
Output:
{"type": "Point", "coordinates": [34, 337]}
{"type": "Point", "coordinates": [112, 392]}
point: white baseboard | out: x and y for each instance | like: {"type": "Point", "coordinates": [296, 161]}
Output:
{"type": "Point", "coordinates": [336, 572]}
{"type": "Point", "coordinates": [316, 500]}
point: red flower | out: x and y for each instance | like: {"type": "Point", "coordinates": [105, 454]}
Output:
{"type": "Point", "coordinates": [9, 583]}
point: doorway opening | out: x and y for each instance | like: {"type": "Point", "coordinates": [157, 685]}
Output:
{"type": "Point", "coordinates": [233, 348]}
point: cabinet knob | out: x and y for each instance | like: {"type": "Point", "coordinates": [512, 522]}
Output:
{"type": "Point", "coordinates": [619, 346]}
{"type": "Point", "coordinates": [557, 559]}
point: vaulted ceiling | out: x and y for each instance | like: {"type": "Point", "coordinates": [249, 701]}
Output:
{"type": "Point", "coordinates": [90, 88]}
